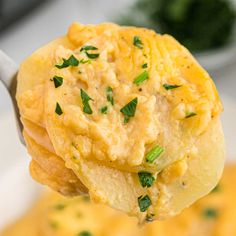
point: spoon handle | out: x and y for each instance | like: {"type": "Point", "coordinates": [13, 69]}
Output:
{"type": "Point", "coordinates": [8, 70]}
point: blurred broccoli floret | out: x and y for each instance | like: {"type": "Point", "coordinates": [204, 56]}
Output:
{"type": "Point", "coordinates": [198, 24]}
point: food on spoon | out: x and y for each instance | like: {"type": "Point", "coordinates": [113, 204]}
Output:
{"type": "Point", "coordinates": [127, 111]}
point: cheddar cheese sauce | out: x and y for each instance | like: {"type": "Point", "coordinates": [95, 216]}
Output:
{"type": "Point", "coordinates": [54, 215]}
{"type": "Point", "coordinates": [124, 114]}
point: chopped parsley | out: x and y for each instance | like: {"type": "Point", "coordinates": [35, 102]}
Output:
{"type": "Point", "coordinates": [85, 100]}
{"type": "Point", "coordinates": [141, 78]}
{"type": "Point", "coordinates": [144, 66]}
{"type": "Point", "coordinates": [129, 109]}
{"type": "Point", "coordinates": [58, 81]}
{"type": "Point", "coordinates": [71, 61]}
{"type": "Point", "coordinates": [85, 233]}
{"type": "Point", "coordinates": [83, 61]}
{"type": "Point", "coordinates": [210, 213]}
{"type": "Point", "coordinates": [104, 110]}
{"type": "Point", "coordinates": [92, 55]}
{"type": "Point", "coordinates": [58, 109]}
{"type": "Point", "coordinates": [109, 92]}
{"type": "Point", "coordinates": [90, 48]}
{"type": "Point", "coordinates": [171, 86]}
{"type": "Point", "coordinates": [144, 203]}
{"type": "Point", "coordinates": [146, 178]}
{"type": "Point", "coordinates": [87, 48]}
{"type": "Point", "coordinates": [155, 152]}
{"type": "Point", "coordinates": [126, 119]}
{"type": "Point", "coordinates": [137, 42]}
{"type": "Point", "coordinates": [190, 114]}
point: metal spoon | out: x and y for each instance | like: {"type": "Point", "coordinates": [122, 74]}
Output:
{"type": "Point", "coordinates": [8, 73]}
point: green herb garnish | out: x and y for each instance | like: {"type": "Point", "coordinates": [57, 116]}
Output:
{"type": "Point", "coordinates": [92, 55]}
{"type": "Point", "coordinates": [126, 119]}
{"type": "Point", "coordinates": [171, 86]}
{"type": "Point", "coordinates": [87, 48]}
{"type": "Point", "coordinates": [58, 81]}
{"type": "Point", "coordinates": [85, 100]}
{"type": "Point", "coordinates": [190, 114]}
{"type": "Point", "coordinates": [141, 78]}
{"type": "Point", "coordinates": [85, 233]}
{"type": "Point", "coordinates": [129, 109]}
{"type": "Point", "coordinates": [58, 109]}
{"type": "Point", "coordinates": [137, 42]}
{"type": "Point", "coordinates": [104, 110]}
{"type": "Point", "coordinates": [109, 92]}
{"type": "Point", "coordinates": [83, 61]}
{"type": "Point", "coordinates": [146, 178]}
{"type": "Point", "coordinates": [71, 61]}
{"type": "Point", "coordinates": [144, 203]}
{"type": "Point", "coordinates": [144, 66]}
{"type": "Point", "coordinates": [155, 152]}
{"type": "Point", "coordinates": [90, 48]}
{"type": "Point", "coordinates": [210, 213]}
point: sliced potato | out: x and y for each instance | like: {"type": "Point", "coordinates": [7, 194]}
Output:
{"type": "Point", "coordinates": [176, 113]}
{"type": "Point", "coordinates": [49, 169]}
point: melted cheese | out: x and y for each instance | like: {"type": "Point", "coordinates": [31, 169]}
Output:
{"type": "Point", "coordinates": [104, 153]}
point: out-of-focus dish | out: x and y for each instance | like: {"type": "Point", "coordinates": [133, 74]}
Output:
{"type": "Point", "coordinates": [199, 25]}
{"type": "Point", "coordinates": [206, 27]}
{"type": "Point", "coordinates": [125, 114]}
{"type": "Point", "coordinates": [61, 216]}
{"type": "Point", "coordinates": [55, 215]}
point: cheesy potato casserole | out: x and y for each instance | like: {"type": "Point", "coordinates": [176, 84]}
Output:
{"type": "Point", "coordinates": [124, 114]}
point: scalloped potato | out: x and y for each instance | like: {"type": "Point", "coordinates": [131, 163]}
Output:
{"type": "Point", "coordinates": [126, 114]}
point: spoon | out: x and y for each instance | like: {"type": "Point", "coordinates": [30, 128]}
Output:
{"type": "Point", "coordinates": [8, 73]}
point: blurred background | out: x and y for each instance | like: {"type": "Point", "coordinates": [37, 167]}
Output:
{"type": "Point", "coordinates": [206, 27]}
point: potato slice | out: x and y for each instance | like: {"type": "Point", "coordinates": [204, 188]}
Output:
{"type": "Point", "coordinates": [49, 169]}
{"type": "Point", "coordinates": [156, 98]}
